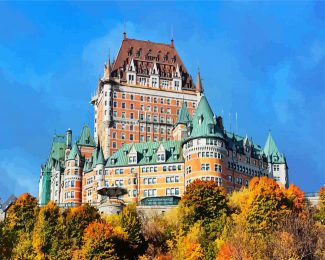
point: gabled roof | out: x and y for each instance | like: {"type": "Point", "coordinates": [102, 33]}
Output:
{"type": "Point", "coordinates": [144, 55]}
{"type": "Point", "coordinates": [204, 121]}
{"type": "Point", "coordinates": [272, 152]}
{"type": "Point", "coordinates": [74, 152]}
{"type": "Point", "coordinates": [86, 138]}
{"type": "Point", "coordinates": [145, 151]}
{"type": "Point", "coordinates": [184, 116]}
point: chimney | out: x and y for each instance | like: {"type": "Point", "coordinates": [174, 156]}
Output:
{"type": "Point", "coordinates": [219, 122]}
{"type": "Point", "coordinates": [68, 138]}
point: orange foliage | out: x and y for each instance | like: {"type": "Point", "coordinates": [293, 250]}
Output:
{"type": "Point", "coordinates": [225, 252]}
{"type": "Point", "coordinates": [295, 196]}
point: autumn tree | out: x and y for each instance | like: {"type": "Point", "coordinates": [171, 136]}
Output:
{"type": "Point", "coordinates": [102, 241]}
{"type": "Point", "coordinates": [46, 231]}
{"type": "Point", "coordinates": [205, 201]}
{"type": "Point", "coordinates": [18, 226]}
{"type": "Point", "coordinates": [131, 223]}
{"type": "Point", "coordinates": [320, 214]}
{"type": "Point", "coordinates": [77, 219]}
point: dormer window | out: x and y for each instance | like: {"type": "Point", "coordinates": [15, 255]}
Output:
{"type": "Point", "coordinates": [133, 159]}
{"type": "Point", "coordinates": [161, 158]}
{"type": "Point", "coordinates": [200, 119]}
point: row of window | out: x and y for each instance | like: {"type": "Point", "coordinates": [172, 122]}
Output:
{"type": "Point", "coordinates": [172, 191]}
{"type": "Point", "coordinates": [210, 155]}
{"type": "Point", "coordinates": [148, 139]}
{"type": "Point", "coordinates": [69, 184]}
{"type": "Point", "coordinates": [150, 180]}
{"type": "Point", "coordinates": [149, 99]}
{"type": "Point", "coordinates": [206, 167]}
{"type": "Point", "coordinates": [69, 195]}
{"type": "Point", "coordinates": [75, 171]}
{"type": "Point", "coordinates": [142, 129]}
{"type": "Point", "coordinates": [244, 169]}
{"type": "Point", "coordinates": [172, 179]}
{"type": "Point", "coordinates": [207, 178]}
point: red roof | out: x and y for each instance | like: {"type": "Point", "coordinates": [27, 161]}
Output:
{"type": "Point", "coordinates": [144, 55]}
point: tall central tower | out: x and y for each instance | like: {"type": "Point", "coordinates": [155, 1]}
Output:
{"type": "Point", "coordinates": [140, 95]}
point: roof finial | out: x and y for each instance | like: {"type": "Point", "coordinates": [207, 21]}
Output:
{"type": "Point", "coordinates": [124, 33]}
{"type": "Point", "coordinates": [172, 36]}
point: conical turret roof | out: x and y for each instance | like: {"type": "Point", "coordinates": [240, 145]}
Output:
{"type": "Point", "coordinates": [184, 116]}
{"type": "Point", "coordinates": [74, 152]}
{"type": "Point", "coordinates": [272, 152]}
{"type": "Point", "coordinates": [86, 138]}
{"type": "Point", "coordinates": [100, 157]}
{"type": "Point", "coordinates": [204, 121]}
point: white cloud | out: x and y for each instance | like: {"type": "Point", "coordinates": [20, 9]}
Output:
{"type": "Point", "coordinates": [19, 172]}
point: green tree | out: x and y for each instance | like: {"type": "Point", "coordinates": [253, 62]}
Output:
{"type": "Point", "coordinates": [77, 219]}
{"type": "Point", "coordinates": [46, 231]}
{"type": "Point", "coordinates": [131, 223]}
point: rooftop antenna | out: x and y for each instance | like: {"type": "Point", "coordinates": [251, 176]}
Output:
{"type": "Point", "coordinates": [236, 123]}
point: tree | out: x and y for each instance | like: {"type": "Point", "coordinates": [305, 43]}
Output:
{"type": "Point", "coordinates": [130, 222]}
{"type": "Point", "coordinates": [204, 200]}
{"type": "Point", "coordinates": [187, 246]}
{"type": "Point", "coordinates": [263, 205]}
{"type": "Point", "coordinates": [77, 219]}
{"type": "Point", "coordinates": [102, 241]}
{"type": "Point", "coordinates": [18, 226]}
{"type": "Point", "coordinates": [46, 231]}
{"type": "Point", "coordinates": [21, 215]}
{"type": "Point", "coordinates": [320, 215]}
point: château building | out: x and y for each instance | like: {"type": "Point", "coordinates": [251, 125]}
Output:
{"type": "Point", "coordinates": [154, 133]}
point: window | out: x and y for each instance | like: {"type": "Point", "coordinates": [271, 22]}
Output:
{"type": "Point", "coordinates": [161, 101]}
{"type": "Point", "coordinates": [154, 82]}
{"type": "Point", "coordinates": [123, 96]}
{"type": "Point", "coordinates": [114, 144]}
{"type": "Point", "coordinates": [114, 135]}
{"type": "Point", "coordinates": [205, 167]}
{"type": "Point", "coordinates": [123, 114]}
{"type": "Point", "coordinates": [132, 97]}
{"type": "Point", "coordinates": [122, 136]}
{"type": "Point", "coordinates": [131, 115]}
{"type": "Point", "coordinates": [230, 178]}
{"type": "Point", "coordinates": [131, 137]}
{"type": "Point", "coordinates": [131, 106]}
{"type": "Point", "coordinates": [115, 104]}
{"type": "Point", "coordinates": [131, 127]}
{"type": "Point", "coordinates": [188, 169]}
{"type": "Point", "coordinates": [123, 105]}
{"type": "Point", "coordinates": [161, 158]}
{"type": "Point", "coordinates": [217, 168]}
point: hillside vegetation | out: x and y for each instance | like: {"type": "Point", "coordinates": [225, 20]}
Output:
{"type": "Point", "coordinates": [262, 221]}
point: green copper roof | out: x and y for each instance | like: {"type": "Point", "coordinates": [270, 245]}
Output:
{"type": "Point", "coordinates": [57, 148]}
{"type": "Point", "coordinates": [74, 152]}
{"type": "Point", "coordinates": [272, 152]}
{"type": "Point", "coordinates": [184, 116]}
{"type": "Point", "coordinates": [204, 121]}
{"type": "Point", "coordinates": [146, 153]}
{"type": "Point", "coordinates": [86, 138]}
{"type": "Point", "coordinates": [100, 158]}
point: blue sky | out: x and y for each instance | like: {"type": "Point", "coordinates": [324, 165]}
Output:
{"type": "Point", "coordinates": [265, 61]}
